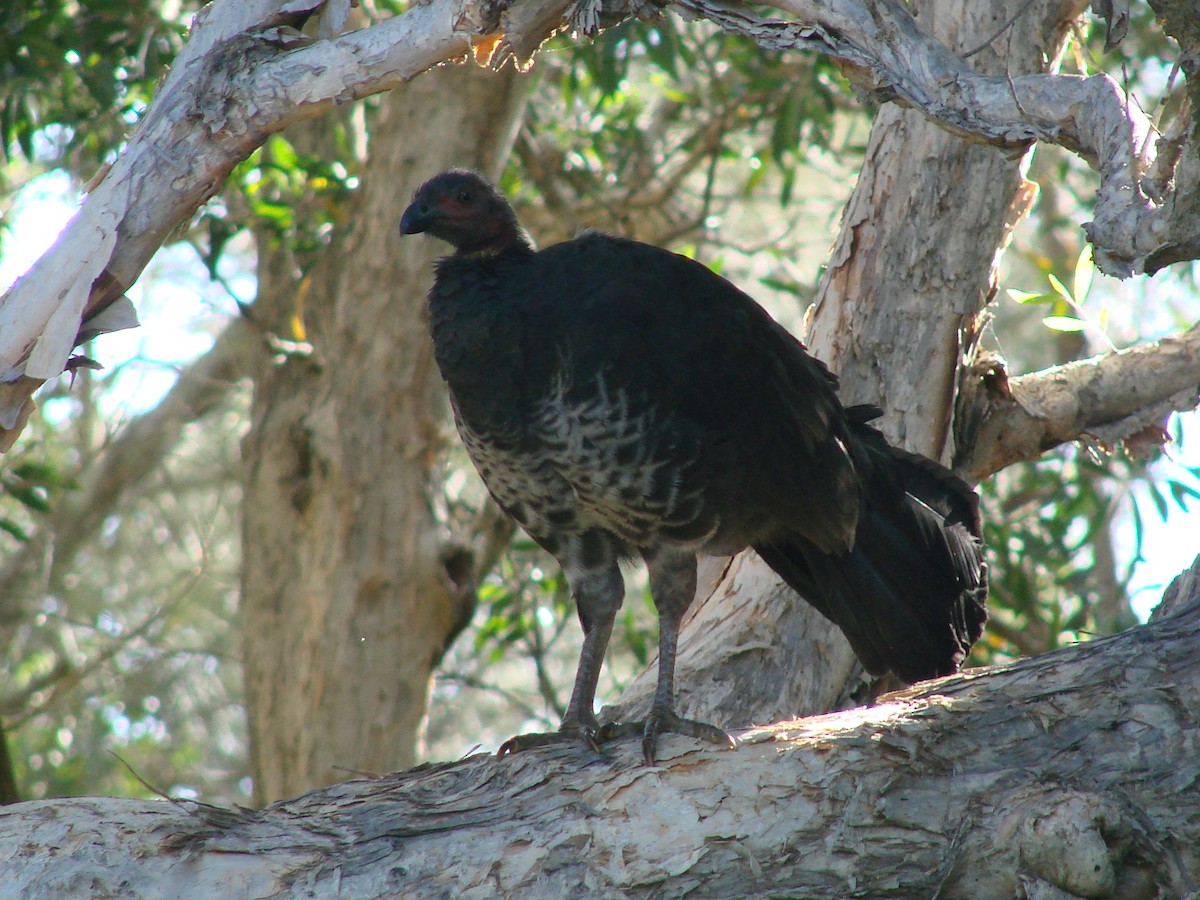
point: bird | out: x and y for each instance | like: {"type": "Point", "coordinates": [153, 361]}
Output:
{"type": "Point", "coordinates": [623, 402]}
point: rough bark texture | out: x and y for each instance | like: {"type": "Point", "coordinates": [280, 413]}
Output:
{"type": "Point", "coordinates": [1141, 224]}
{"type": "Point", "coordinates": [245, 73]}
{"type": "Point", "coordinates": [1110, 398]}
{"type": "Point", "coordinates": [910, 272]}
{"type": "Point", "coordinates": [347, 596]}
{"type": "Point", "coordinates": [914, 263]}
{"type": "Point", "coordinates": [1069, 775]}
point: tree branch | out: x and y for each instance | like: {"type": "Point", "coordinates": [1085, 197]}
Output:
{"type": "Point", "coordinates": [982, 785]}
{"type": "Point", "coordinates": [885, 52]}
{"type": "Point", "coordinates": [238, 80]}
{"type": "Point", "coordinates": [1110, 398]}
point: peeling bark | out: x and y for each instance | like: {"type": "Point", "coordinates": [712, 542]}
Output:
{"type": "Point", "coordinates": [899, 305]}
{"type": "Point", "coordinates": [1069, 775]}
{"type": "Point", "coordinates": [887, 53]}
{"type": "Point", "coordinates": [1109, 398]}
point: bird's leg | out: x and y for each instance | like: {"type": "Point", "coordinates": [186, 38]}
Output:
{"type": "Point", "coordinates": [672, 585]}
{"type": "Point", "coordinates": [598, 595]}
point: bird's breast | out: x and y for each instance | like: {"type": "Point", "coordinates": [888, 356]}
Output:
{"type": "Point", "coordinates": [591, 455]}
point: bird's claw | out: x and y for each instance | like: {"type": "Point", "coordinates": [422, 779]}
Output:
{"type": "Point", "coordinates": [591, 735]}
{"type": "Point", "coordinates": [666, 722]}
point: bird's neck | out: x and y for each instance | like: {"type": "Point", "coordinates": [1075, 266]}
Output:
{"type": "Point", "coordinates": [514, 241]}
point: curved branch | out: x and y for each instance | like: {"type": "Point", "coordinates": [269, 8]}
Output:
{"type": "Point", "coordinates": [888, 54]}
{"type": "Point", "coordinates": [1110, 398]}
{"type": "Point", "coordinates": [238, 80]}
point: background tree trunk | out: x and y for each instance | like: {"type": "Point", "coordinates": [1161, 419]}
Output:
{"type": "Point", "coordinates": [984, 786]}
{"type": "Point", "coordinates": [915, 263]}
{"type": "Point", "coordinates": [347, 597]}
{"type": "Point", "coordinates": [898, 308]}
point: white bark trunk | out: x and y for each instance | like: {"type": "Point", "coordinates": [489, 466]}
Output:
{"type": "Point", "coordinates": [908, 276]}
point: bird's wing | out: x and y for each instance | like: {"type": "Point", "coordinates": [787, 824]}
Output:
{"type": "Point", "coordinates": [725, 393]}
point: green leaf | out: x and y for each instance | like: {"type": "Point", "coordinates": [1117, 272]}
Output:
{"type": "Point", "coordinates": [14, 529]}
{"type": "Point", "coordinates": [1059, 287]}
{"type": "Point", "coordinates": [30, 497]}
{"type": "Point", "coordinates": [281, 152]}
{"type": "Point", "coordinates": [1085, 268]}
{"type": "Point", "coordinates": [1064, 323]}
{"type": "Point", "coordinates": [1181, 492]}
{"type": "Point", "coordinates": [1031, 299]}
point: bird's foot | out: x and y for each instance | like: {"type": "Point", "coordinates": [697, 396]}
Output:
{"type": "Point", "coordinates": [593, 734]}
{"type": "Point", "coordinates": [665, 722]}
{"type": "Point", "coordinates": [589, 733]}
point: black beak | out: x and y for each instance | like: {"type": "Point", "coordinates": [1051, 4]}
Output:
{"type": "Point", "coordinates": [417, 218]}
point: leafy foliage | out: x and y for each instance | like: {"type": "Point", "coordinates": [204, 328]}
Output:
{"type": "Point", "coordinates": [294, 198]}
{"type": "Point", "coordinates": [131, 650]}
{"type": "Point", "coordinates": [87, 69]}
{"type": "Point", "coordinates": [658, 128]}
{"type": "Point", "coordinates": [26, 491]}
{"type": "Point", "coordinates": [1068, 312]}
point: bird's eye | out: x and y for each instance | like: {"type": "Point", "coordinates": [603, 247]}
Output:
{"type": "Point", "coordinates": [464, 196]}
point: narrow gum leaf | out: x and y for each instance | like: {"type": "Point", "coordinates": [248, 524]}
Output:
{"type": "Point", "coordinates": [1085, 268]}
{"type": "Point", "coordinates": [1059, 287]}
{"type": "Point", "coordinates": [1030, 298]}
{"type": "Point", "coordinates": [1064, 323]}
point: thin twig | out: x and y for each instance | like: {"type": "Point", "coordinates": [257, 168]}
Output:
{"type": "Point", "coordinates": [143, 782]}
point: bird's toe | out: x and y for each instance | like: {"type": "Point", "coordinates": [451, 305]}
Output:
{"type": "Point", "coordinates": [589, 734]}
{"type": "Point", "coordinates": [666, 721]}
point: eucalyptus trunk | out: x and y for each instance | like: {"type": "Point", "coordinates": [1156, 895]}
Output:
{"type": "Point", "coordinates": [349, 593]}
{"type": "Point", "coordinates": [897, 311]}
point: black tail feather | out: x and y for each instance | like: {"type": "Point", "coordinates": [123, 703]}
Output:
{"type": "Point", "coordinates": [910, 595]}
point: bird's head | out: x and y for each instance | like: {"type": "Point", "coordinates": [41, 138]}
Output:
{"type": "Point", "coordinates": [465, 210]}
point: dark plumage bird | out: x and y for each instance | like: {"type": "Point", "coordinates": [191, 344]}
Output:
{"type": "Point", "coordinates": [622, 401]}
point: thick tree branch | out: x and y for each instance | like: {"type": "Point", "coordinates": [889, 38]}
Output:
{"type": "Point", "coordinates": [238, 80]}
{"type": "Point", "coordinates": [1110, 398]}
{"type": "Point", "coordinates": [982, 785]}
{"type": "Point", "coordinates": [886, 52]}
